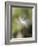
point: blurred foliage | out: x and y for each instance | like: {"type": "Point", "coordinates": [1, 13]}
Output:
{"type": "Point", "coordinates": [20, 12]}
